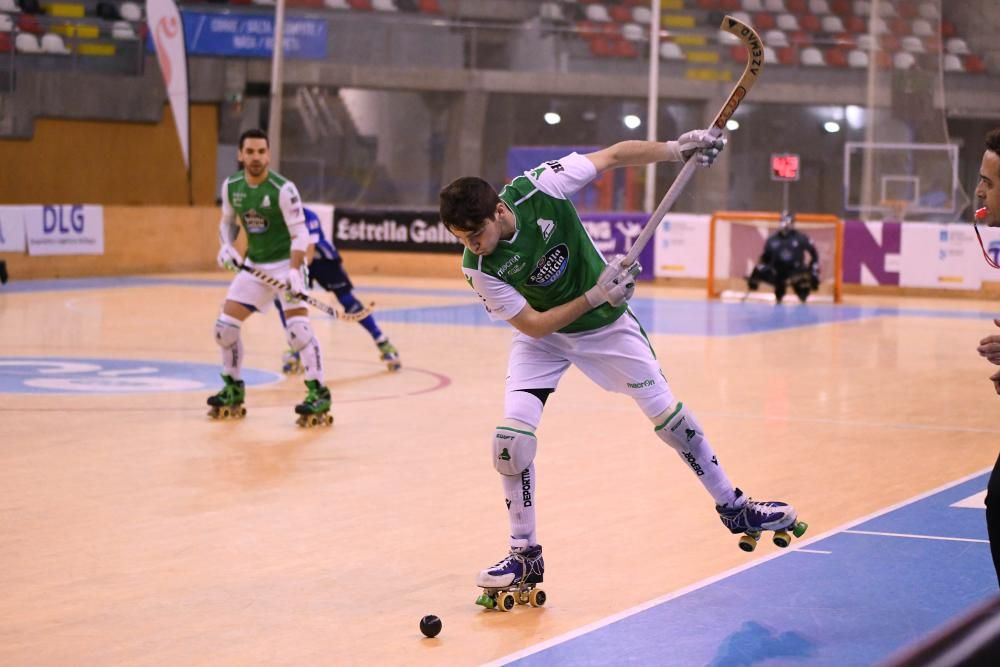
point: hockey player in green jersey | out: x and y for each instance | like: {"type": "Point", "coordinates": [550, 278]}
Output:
{"type": "Point", "coordinates": [271, 213]}
{"type": "Point", "coordinates": [530, 260]}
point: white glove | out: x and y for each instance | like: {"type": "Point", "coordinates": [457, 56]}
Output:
{"type": "Point", "coordinates": [615, 285]}
{"type": "Point", "coordinates": [702, 145]}
{"type": "Point", "coordinates": [298, 280]}
{"type": "Point", "coordinates": [229, 258]}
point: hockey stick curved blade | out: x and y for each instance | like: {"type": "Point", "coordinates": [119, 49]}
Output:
{"type": "Point", "coordinates": [315, 303]}
{"type": "Point", "coordinates": [755, 64]}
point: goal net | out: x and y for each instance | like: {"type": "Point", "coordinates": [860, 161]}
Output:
{"type": "Point", "coordinates": [736, 241]}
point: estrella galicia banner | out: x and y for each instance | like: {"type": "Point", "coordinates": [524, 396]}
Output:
{"type": "Point", "coordinates": [252, 35]}
{"type": "Point", "coordinates": [382, 229]}
{"type": "Point", "coordinates": [64, 229]}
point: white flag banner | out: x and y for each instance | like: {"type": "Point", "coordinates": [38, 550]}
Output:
{"type": "Point", "coordinates": [168, 36]}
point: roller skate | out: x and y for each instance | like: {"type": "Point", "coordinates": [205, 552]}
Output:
{"type": "Point", "coordinates": [291, 363]}
{"type": "Point", "coordinates": [315, 409]}
{"type": "Point", "coordinates": [512, 581]}
{"type": "Point", "coordinates": [752, 517]}
{"type": "Point", "coordinates": [228, 403]}
{"type": "Point", "coordinates": [390, 355]}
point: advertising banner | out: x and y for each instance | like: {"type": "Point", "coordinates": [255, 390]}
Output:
{"type": "Point", "coordinates": [252, 36]}
{"type": "Point", "coordinates": [614, 234]}
{"type": "Point", "coordinates": [71, 229]}
{"type": "Point", "coordinates": [375, 229]}
{"type": "Point", "coordinates": [940, 256]}
{"type": "Point", "coordinates": [681, 246]}
{"type": "Point", "coordinates": [12, 238]}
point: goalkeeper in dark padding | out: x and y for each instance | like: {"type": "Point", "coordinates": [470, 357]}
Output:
{"type": "Point", "coordinates": [784, 264]}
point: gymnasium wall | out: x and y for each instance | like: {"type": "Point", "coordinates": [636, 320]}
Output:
{"type": "Point", "coordinates": [111, 163]}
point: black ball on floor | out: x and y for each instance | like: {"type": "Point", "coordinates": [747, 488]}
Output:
{"type": "Point", "coordinates": [430, 625]}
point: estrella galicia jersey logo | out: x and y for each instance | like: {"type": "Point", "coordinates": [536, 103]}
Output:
{"type": "Point", "coordinates": [255, 222]}
{"type": "Point", "coordinates": [550, 267]}
{"type": "Point", "coordinates": [61, 375]}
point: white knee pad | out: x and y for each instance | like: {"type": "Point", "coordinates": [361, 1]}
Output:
{"type": "Point", "coordinates": [227, 331]}
{"type": "Point", "coordinates": [513, 447]}
{"type": "Point", "coordinates": [299, 332]}
{"type": "Point", "coordinates": [679, 429]}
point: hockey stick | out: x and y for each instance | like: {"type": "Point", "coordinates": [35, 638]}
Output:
{"type": "Point", "coordinates": [315, 303]}
{"type": "Point", "coordinates": [755, 63]}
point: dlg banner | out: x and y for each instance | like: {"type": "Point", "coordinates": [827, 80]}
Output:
{"type": "Point", "coordinates": [75, 229]}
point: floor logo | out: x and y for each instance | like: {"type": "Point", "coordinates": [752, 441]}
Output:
{"type": "Point", "coordinates": [61, 375]}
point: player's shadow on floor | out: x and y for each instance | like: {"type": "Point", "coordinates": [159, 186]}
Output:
{"type": "Point", "coordinates": [754, 643]}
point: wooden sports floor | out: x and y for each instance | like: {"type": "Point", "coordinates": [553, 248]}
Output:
{"type": "Point", "coordinates": [136, 531]}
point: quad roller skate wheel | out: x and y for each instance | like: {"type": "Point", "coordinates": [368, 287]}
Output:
{"type": "Point", "coordinates": [227, 412]}
{"type": "Point", "coordinates": [487, 601]}
{"type": "Point", "coordinates": [800, 528]}
{"type": "Point", "coordinates": [505, 601]}
{"type": "Point", "coordinates": [748, 543]}
{"type": "Point", "coordinates": [394, 366]}
{"type": "Point", "coordinates": [309, 421]}
{"type": "Point", "coordinates": [536, 597]}
{"type": "Point", "coordinates": [781, 538]}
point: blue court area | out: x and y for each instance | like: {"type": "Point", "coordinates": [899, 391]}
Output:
{"type": "Point", "coordinates": [852, 597]}
{"type": "Point", "coordinates": [658, 316]}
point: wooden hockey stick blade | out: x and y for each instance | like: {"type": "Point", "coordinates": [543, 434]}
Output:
{"type": "Point", "coordinates": [755, 63]}
{"type": "Point", "coordinates": [312, 301]}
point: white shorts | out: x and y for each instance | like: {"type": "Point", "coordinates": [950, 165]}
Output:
{"type": "Point", "coordinates": [250, 291]}
{"type": "Point", "coordinates": [617, 357]}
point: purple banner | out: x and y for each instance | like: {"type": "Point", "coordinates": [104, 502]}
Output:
{"type": "Point", "coordinates": [874, 246]}
{"type": "Point", "coordinates": [614, 233]}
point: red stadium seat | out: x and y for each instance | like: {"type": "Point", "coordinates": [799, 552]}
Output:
{"type": "Point", "coordinates": [809, 23]}
{"type": "Point", "coordinates": [430, 7]}
{"type": "Point", "coordinates": [842, 8]}
{"type": "Point", "coordinates": [899, 26]}
{"type": "Point", "coordinates": [836, 58]}
{"type": "Point", "coordinates": [889, 42]}
{"type": "Point", "coordinates": [800, 38]}
{"type": "Point", "coordinates": [621, 13]}
{"type": "Point", "coordinates": [28, 23]}
{"type": "Point", "coordinates": [856, 24]}
{"type": "Point", "coordinates": [601, 47]}
{"type": "Point", "coordinates": [974, 64]}
{"type": "Point", "coordinates": [797, 7]}
{"type": "Point", "coordinates": [948, 29]}
{"type": "Point", "coordinates": [738, 53]}
{"type": "Point", "coordinates": [907, 9]}
{"type": "Point", "coordinates": [764, 22]}
{"type": "Point", "coordinates": [624, 49]}
{"type": "Point", "coordinates": [731, 5]}
{"type": "Point", "coordinates": [708, 4]}
{"type": "Point", "coordinates": [363, 5]}
{"type": "Point", "coordinates": [787, 56]}
{"type": "Point", "coordinates": [5, 45]}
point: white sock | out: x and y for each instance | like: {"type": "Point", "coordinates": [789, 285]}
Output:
{"type": "Point", "coordinates": [519, 491]}
{"type": "Point", "coordinates": [299, 328]}
{"type": "Point", "coordinates": [232, 356]}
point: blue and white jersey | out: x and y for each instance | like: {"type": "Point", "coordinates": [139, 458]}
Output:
{"type": "Point", "coordinates": [324, 248]}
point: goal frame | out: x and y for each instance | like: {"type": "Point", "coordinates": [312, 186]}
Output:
{"type": "Point", "coordinates": [771, 216]}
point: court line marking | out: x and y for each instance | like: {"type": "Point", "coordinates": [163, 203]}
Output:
{"type": "Point", "coordinates": [814, 551]}
{"type": "Point", "coordinates": [918, 537]}
{"type": "Point", "coordinates": [572, 634]}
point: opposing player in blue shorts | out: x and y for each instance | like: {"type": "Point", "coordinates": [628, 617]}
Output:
{"type": "Point", "coordinates": [326, 268]}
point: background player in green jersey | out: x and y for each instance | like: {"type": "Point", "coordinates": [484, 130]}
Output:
{"type": "Point", "coordinates": [270, 210]}
{"type": "Point", "coordinates": [532, 263]}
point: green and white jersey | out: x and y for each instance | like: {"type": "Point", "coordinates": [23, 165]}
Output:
{"type": "Point", "coordinates": [270, 213]}
{"type": "Point", "coordinates": [551, 259]}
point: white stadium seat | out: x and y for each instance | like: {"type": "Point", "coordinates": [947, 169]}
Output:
{"type": "Point", "coordinates": [912, 44]}
{"type": "Point", "coordinates": [929, 10]}
{"type": "Point", "coordinates": [832, 24]}
{"type": "Point", "coordinates": [26, 42]}
{"type": "Point", "coordinates": [53, 43]}
{"type": "Point", "coordinates": [776, 38]}
{"type": "Point", "coordinates": [641, 14]}
{"type": "Point", "coordinates": [753, 5]}
{"type": "Point", "coordinates": [671, 51]}
{"type": "Point", "coordinates": [633, 32]}
{"type": "Point", "coordinates": [788, 22]}
{"type": "Point", "coordinates": [122, 30]}
{"type": "Point", "coordinates": [819, 7]}
{"type": "Point", "coordinates": [6, 24]}
{"type": "Point", "coordinates": [862, 8]}
{"type": "Point", "coordinates": [922, 28]}
{"type": "Point", "coordinates": [903, 60]}
{"type": "Point", "coordinates": [384, 6]}
{"type": "Point", "coordinates": [857, 59]}
{"type": "Point", "coordinates": [9, 6]}
{"type": "Point", "coordinates": [952, 63]}
{"type": "Point", "coordinates": [130, 11]}
{"type": "Point", "coordinates": [598, 13]}
{"type": "Point", "coordinates": [957, 46]}
{"type": "Point", "coordinates": [775, 6]}
{"type": "Point", "coordinates": [812, 57]}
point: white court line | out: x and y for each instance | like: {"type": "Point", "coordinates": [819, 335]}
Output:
{"type": "Point", "coordinates": [813, 551]}
{"type": "Point", "coordinates": [572, 634]}
{"type": "Point", "coordinates": [918, 537]}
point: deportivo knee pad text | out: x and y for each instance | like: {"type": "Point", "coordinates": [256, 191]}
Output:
{"type": "Point", "coordinates": [513, 449]}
